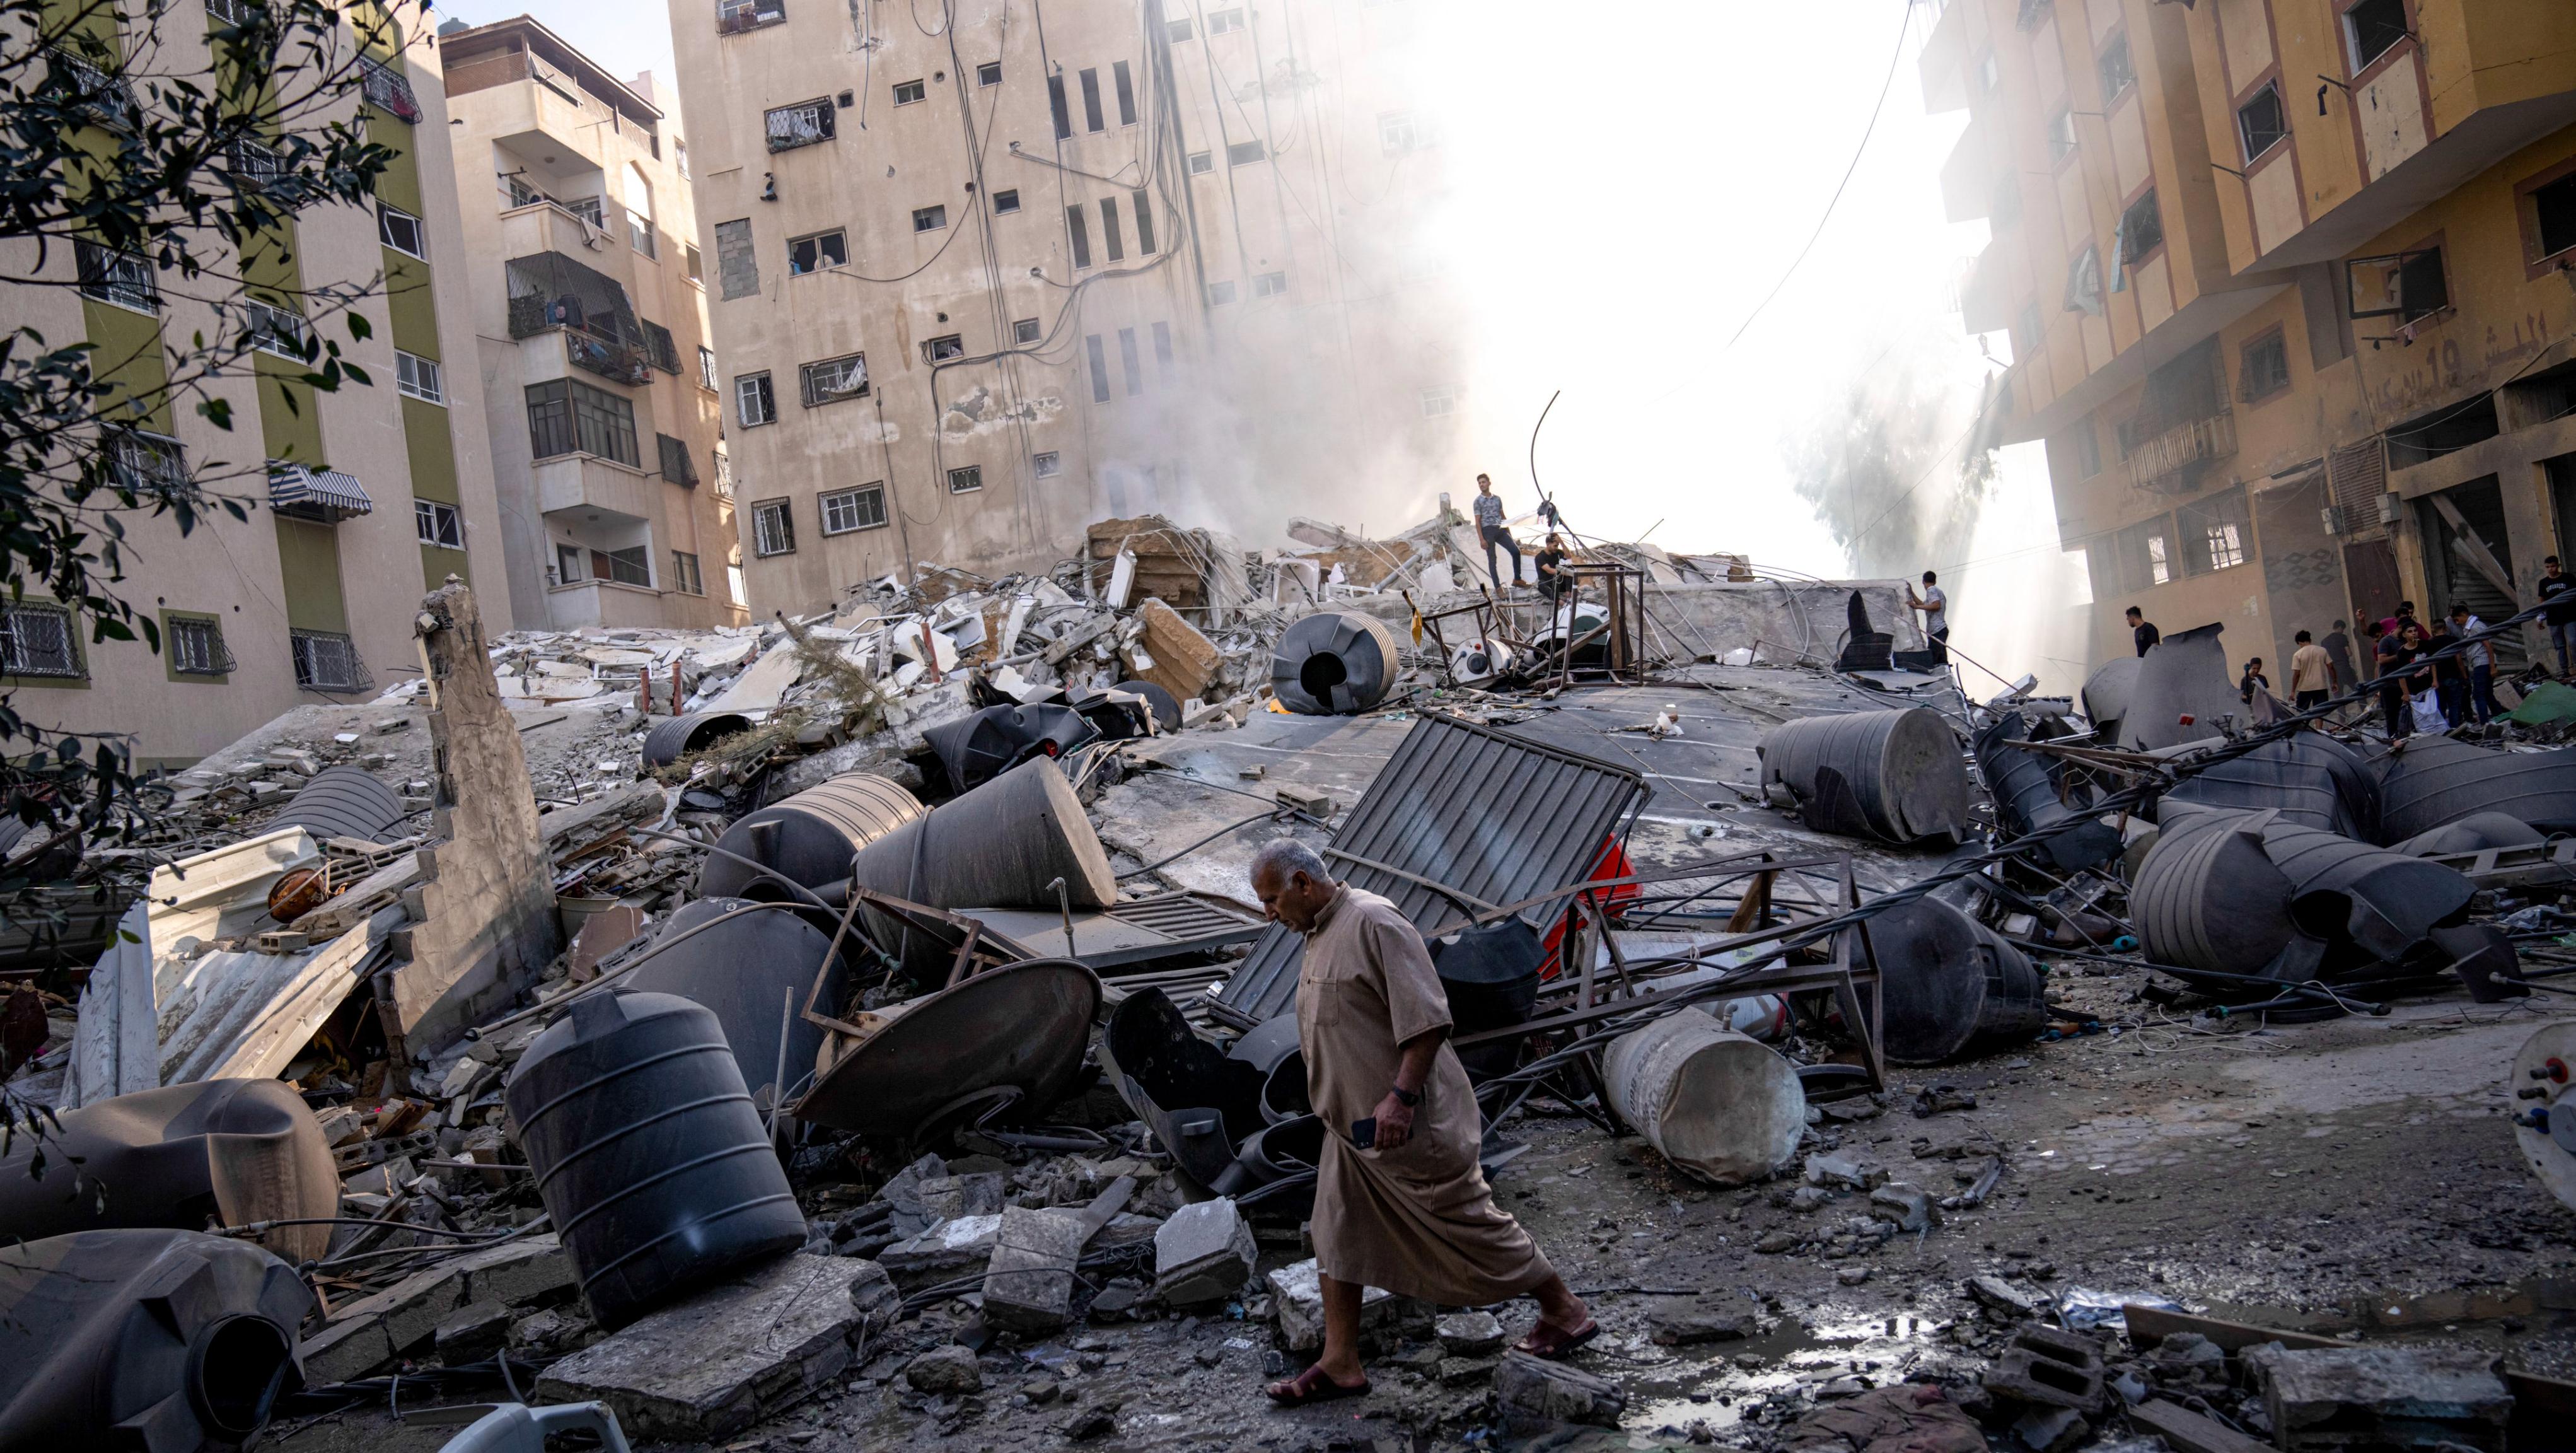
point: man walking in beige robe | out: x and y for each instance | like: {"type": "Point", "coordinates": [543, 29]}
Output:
{"type": "Point", "coordinates": [1410, 1210]}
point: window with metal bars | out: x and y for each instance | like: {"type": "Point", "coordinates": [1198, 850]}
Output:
{"type": "Point", "coordinates": [387, 91]}
{"type": "Point", "coordinates": [195, 646]}
{"type": "Point", "coordinates": [122, 278]}
{"type": "Point", "coordinates": [802, 124]}
{"type": "Point", "coordinates": [832, 380]}
{"type": "Point", "coordinates": [853, 509]}
{"type": "Point", "coordinates": [327, 661]}
{"type": "Point", "coordinates": [773, 528]}
{"type": "Point", "coordinates": [677, 466]}
{"type": "Point", "coordinates": [37, 640]}
{"type": "Point", "coordinates": [966, 479]}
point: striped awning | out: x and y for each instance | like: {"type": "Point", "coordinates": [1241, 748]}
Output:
{"type": "Point", "coordinates": [324, 492]}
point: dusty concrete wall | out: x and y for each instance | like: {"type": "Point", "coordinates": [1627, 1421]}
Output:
{"type": "Point", "coordinates": [488, 920]}
{"type": "Point", "coordinates": [1779, 619]}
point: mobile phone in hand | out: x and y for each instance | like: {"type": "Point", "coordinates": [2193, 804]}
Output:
{"type": "Point", "coordinates": [1364, 1132]}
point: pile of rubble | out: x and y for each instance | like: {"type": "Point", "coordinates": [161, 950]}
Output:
{"type": "Point", "coordinates": [837, 1020]}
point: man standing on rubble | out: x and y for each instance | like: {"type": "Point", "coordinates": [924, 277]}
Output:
{"type": "Point", "coordinates": [2558, 592]}
{"type": "Point", "coordinates": [2142, 630]}
{"type": "Point", "coordinates": [1935, 607]}
{"type": "Point", "coordinates": [1489, 528]}
{"type": "Point", "coordinates": [1400, 1201]}
{"type": "Point", "coordinates": [2313, 681]}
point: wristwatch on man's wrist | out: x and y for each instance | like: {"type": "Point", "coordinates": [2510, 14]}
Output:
{"type": "Point", "coordinates": [1407, 1098]}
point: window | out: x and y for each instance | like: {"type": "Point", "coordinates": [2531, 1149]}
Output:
{"type": "Point", "coordinates": [1396, 133]}
{"type": "Point", "coordinates": [1224, 22]}
{"type": "Point", "coordinates": [966, 480]}
{"type": "Point", "coordinates": [802, 124]}
{"type": "Point", "coordinates": [1109, 237]}
{"type": "Point", "coordinates": [773, 528]}
{"type": "Point", "coordinates": [1144, 223]}
{"type": "Point", "coordinates": [694, 262]}
{"type": "Point", "coordinates": [2403, 285]}
{"type": "Point", "coordinates": [37, 640]}
{"type": "Point", "coordinates": [639, 234]}
{"type": "Point", "coordinates": [724, 475]}
{"type": "Point", "coordinates": [1047, 465]}
{"type": "Point", "coordinates": [929, 219]}
{"type": "Point", "coordinates": [1025, 330]}
{"type": "Point", "coordinates": [2554, 208]}
{"type": "Point", "coordinates": [1074, 221]}
{"type": "Point", "coordinates": [907, 92]}
{"type": "Point", "coordinates": [630, 566]}
{"type": "Point", "coordinates": [1439, 403]}
{"type": "Point", "coordinates": [232, 12]}
{"type": "Point", "coordinates": [1099, 367]}
{"type": "Point", "coordinates": [706, 367]}
{"type": "Point", "coordinates": [569, 568]}
{"type": "Point", "coordinates": [1091, 118]}
{"type": "Point", "coordinates": [418, 377]}
{"type": "Point", "coordinates": [677, 466]}
{"type": "Point", "coordinates": [400, 230]}
{"type": "Point", "coordinates": [1176, 31]}
{"type": "Point", "coordinates": [2142, 229]}
{"type": "Point", "coordinates": [681, 152]}
{"type": "Point", "coordinates": [1244, 153]}
{"type": "Point", "coordinates": [116, 277]}
{"type": "Point", "coordinates": [2114, 69]}
{"type": "Point", "coordinates": [326, 661]}
{"type": "Point", "coordinates": [196, 646]}
{"type": "Point", "coordinates": [1125, 86]}
{"type": "Point", "coordinates": [1220, 294]}
{"type": "Point", "coordinates": [1057, 106]}
{"type": "Point", "coordinates": [2260, 123]}
{"type": "Point", "coordinates": [736, 16]}
{"type": "Point", "coordinates": [2143, 553]}
{"type": "Point", "coordinates": [854, 509]}
{"type": "Point", "coordinates": [2263, 367]}
{"type": "Point", "coordinates": [1130, 362]}
{"type": "Point", "coordinates": [568, 417]}
{"type": "Point", "coordinates": [438, 524]}
{"type": "Point", "coordinates": [1202, 163]}
{"type": "Point", "coordinates": [684, 574]}
{"type": "Point", "coordinates": [833, 380]}
{"type": "Point", "coordinates": [276, 330]}
{"type": "Point", "coordinates": [2027, 332]}
{"type": "Point", "coordinates": [989, 74]}
{"type": "Point", "coordinates": [1990, 74]}
{"type": "Point", "coordinates": [1006, 201]}
{"type": "Point", "coordinates": [2061, 136]}
{"type": "Point", "coordinates": [1269, 284]}
{"type": "Point", "coordinates": [753, 403]}
{"type": "Point", "coordinates": [146, 463]}
{"type": "Point", "coordinates": [823, 249]}
{"type": "Point", "coordinates": [2373, 29]}
{"type": "Point", "coordinates": [940, 350]}
{"type": "Point", "coordinates": [2088, 449]}
{"type": "Point", "coordinates": [2215, 532]}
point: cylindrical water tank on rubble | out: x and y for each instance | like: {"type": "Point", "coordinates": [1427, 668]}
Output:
{"type": "Point", "coordinates": [1334, 663]}
{"type": "Point", "coordinates": [652, 1162]}
{"type": "Point", "coordinates": [808, 838]}
{"type": "Point", "coordinates": [1891, 775]}
{"type": "Point", "coordinates": [1720, 1105]}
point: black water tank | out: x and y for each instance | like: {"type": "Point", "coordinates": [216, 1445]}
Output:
{"type": "Point", "coordinates": [343, 802]}
{"type": "Point", "coordinates": [653, 1164]}
{"type": "Point", "coordinates": [808, 837]}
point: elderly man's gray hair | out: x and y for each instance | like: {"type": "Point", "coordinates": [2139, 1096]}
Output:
{"type": "Point", "coordinates": [1288, 857]}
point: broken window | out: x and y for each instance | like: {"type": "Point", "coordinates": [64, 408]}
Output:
{"type": "Point", "coordinates": [1109, 238]}
{"type": "Point", "coordinates": [940, 350]}
{"type": "Point", "coordinates": [1243, 153]}
{"type": "Point", "coordinates": [684, 574]}
{"type": "Point", "coordinates": [2145, 554]}
{"type": "Point", "coordinates": [1144, 223]}
{"type": "Point", "coordinates": [438, 524]}
{"type": "Point", "coordinates": [146, 462]}
{"type": "Point", "coordinates": [2446, 430]}
{"type": "Point", "coordinates": [1125, 86]}
{"type": "Point", "coordinates": [2260, 122]}
{"type": "Point", "coordinates": [2084, 283]}
{"type": "Point", "coordinates": [753, 402]}
{"type": "Point", "coordinates": [853, 509]}
{"type": "Point", "coordinates": [1201, 163]}
{"type": "Point", "coordinates": [989, 74]}
{"type": "Point", "coordinates": [929, 219]}
{"type": "Point", "coordinates": [277, 330]}
{"type": "Point", "coordinates": [2263, 367]}
{"type": "Point", "coordinates": [1224, 22]}
{"type": "Point", "coordinates": [2402, 285]}
{"type": "Point", "coordinates": [1047, 465]}
{"type": "Point", "coordinates": [802, 124]}
{"type": "Point", "coordinates": [1220, 294]}
{"type": "Point", "coordinates": [1130, 362]}
{"type": "Point", "coordinates": [1056, 105]}
{"type": "Point", "coordinates": [773, 528]}
{"type": "Point", "coordinates": [37, 640]}
{"type": "Point", "coordinates": [2113, 68]}
{"type": "Point", "coordinates": [833, 379]}
{"type": "Point", "coordinates": [2142, 229]}
{"type": "Point", "coordinates": [1099, 357]}
{"type": "Point", "coordinates": [1091, 119]}
{"type": "Point", "coordinates": [2215, 532]}
{"type": "Point", "coordinates": [907, 92]}
{"type": "Point", "coordinates": [966, 479]}
{"type": "Point", "coordinates": [706, 367]}
{"type": "Point", "coordinates": [1025, 330]}
{"type": "Point", "coordinates": [823, 249]}
{"type": "Point", "coordinates": [1074, 221]}
{"type": "Point", "coordinates": [2554, 209]}
{"type": "Point", "coordinates": [1395, 133]}
{"type": "Point", "coordinates": [1269, 284]}
{"type": "Point", "coordinates": [1006, 201]}
{"type": "Point", "coordinates": [2373, 28]}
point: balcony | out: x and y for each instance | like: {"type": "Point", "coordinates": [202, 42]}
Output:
{"type": "Point", "coordinates": [387, 91]}
{"type": "Point", "coordinates": [593, 484]}
{"type": "Point", "coordinates": [2172, 460]}
{"type": "Point", "coordinates": [733, 17]}
{"type": "Point", "coordinates": [550, 292]}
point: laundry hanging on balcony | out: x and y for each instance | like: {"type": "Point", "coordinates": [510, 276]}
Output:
{"type": "Point", "coordinates": [600, 329]}
{"type": "Point", "coordinates": [325, 495]}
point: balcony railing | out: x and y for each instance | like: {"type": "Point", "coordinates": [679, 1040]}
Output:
{"type": "Point", "coordinates": [733, 17]}
{"type": "Point", "coordinates": [2171, 460]}
{"type": "Point", "coordinates": [387, 91]}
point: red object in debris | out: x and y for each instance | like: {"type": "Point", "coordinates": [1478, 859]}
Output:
{"type": "Point", "coordinates": [1613, 863]}
{"type": "Point", "coordinates": [2186, 718]}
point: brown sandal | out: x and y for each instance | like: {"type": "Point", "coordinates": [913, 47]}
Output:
{"type": "Point", "coordinates": [1554, 1344]}
{"type": "Point", "coordinates": [1314, 1385]}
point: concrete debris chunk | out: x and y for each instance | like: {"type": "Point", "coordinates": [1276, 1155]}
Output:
{"type": "Point", "coordinates": [1298, 1295]}
{"type": "Point", "coordinates": [1028, 1285]}
{"type": "Point", "coordinates": [1553, 1391]}
{"type": "Point", "coordinates": [950, 1246]}
{"type": "Point", "coordinates": [1688, 1321]}
{"type": "Point", "coordinates": [948, 1370]}
{"type": "Point", "coordinates": [1203, 1253]}
{"type": "Point", "coordinates": [2048, 1368]}
{"type": "Point", "coordinates": [375, 1329]}
{"type": "Point", "coordinates": [714, 1364]}
{"type": "Point", "coordinates": [1470, 1334]}
{"type": "Point", "coordinates": [2329, 1400]}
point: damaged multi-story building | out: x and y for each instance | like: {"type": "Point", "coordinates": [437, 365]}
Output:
{"type": "Point", "coordinates": [597, 377]}
{"type": "Point", "coordinates": [982, 282]}
{"type": "Point", "coordinates": [2291, 287]}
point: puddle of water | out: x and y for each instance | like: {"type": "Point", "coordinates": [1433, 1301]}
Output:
{"type": "Point", "coordinates": [1878, 1351]}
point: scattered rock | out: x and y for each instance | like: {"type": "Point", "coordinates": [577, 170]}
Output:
{"type": "Point", "coordinates": [1554, 1391]}
{"type": "Point", "coordinates": [1687, 1322]}
{"type": "Point", "coordinates": [1913, 1208]}
{"type": "Point", "coordinates": [1775, 1242]}
{"type": "Point", "coordinates": [1470, 1334]}
{"type": "Point", "coordinates": [1203, 1253]}
{"type": "Point", "coordinates": [1906, 1418]}
{"type": "Point", "coordinates": [945, 1370]}
{"type": "Point", "coordinates": [2051, 1430]}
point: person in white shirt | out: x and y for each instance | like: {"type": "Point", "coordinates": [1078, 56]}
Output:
{"type": "Point", "coordinates": [1936, 614]}
{"type": "Point", "coordinates": [2481, 658]}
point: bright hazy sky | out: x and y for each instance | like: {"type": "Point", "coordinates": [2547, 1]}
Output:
{"type": "Point", "coordinates": [1623, 195]}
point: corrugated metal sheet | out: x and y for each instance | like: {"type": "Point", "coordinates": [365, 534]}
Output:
{"type": "Point", "coordinates": [1490, 816]}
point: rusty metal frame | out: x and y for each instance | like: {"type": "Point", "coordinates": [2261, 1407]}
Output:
{"type": "Point", "coordinates": [959, 969]}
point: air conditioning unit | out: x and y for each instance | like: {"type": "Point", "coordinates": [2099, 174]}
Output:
{"type": "Point", "coordinates": [2389, 508]}
{"type": "Point", "coordinates": [2333, 519]}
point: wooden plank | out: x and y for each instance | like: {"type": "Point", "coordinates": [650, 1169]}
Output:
{"type": "Point", "coordinates": [2154, 1324]}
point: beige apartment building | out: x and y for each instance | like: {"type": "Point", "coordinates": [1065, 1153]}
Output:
{"type": "Point", "coordinates": [2291, 286]}
{"type": "Point", "coordinates": [982, 282]}
{"type": "Point", "coordinates": [360, 498]}
{"type": "Point", "coordinates": [595, 368]}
